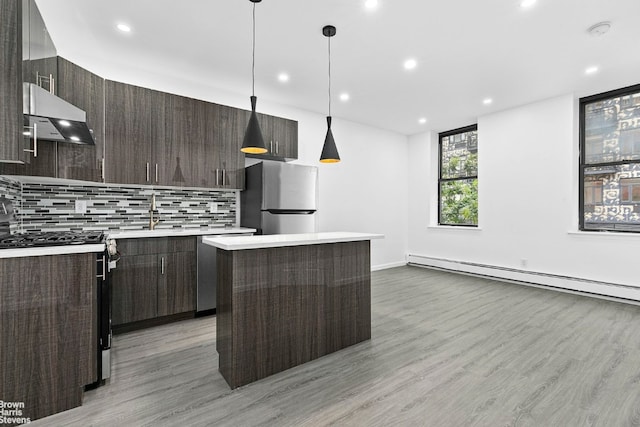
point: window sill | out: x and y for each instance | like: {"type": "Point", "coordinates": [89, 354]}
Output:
{"type": "Point", "coordinates": [607, 234]}
{"type": "Point", "coordinates": [453, 227]}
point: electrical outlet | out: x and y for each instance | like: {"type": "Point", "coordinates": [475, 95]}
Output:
{"type": "Point", "coordinates": [213, 207]}
{"type": "Point", "coordinates": [81, 206]}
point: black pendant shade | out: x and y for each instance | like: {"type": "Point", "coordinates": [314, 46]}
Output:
{"type": "Point", "coordinates": [253, 142]}
{"type": "Point", "coordinates": [329, 150]}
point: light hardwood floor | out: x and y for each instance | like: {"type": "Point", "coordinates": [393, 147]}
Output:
{"type": "Point", "coordinates": [446, 350]}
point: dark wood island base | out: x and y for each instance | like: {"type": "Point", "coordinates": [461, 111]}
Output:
{"type": "Point", "coordinates": [279, 307]}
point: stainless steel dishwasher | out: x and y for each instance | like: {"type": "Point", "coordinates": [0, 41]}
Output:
{"type": "Point", "coordinates": [206, 302]}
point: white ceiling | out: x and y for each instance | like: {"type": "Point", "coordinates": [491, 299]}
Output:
{"type": "Point", "coordinates": [467, 50]}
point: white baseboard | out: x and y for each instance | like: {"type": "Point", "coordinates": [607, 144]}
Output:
{"type": "Point", "coordinates": [625, 293]}
{"type": "Point", "coordinates": [389, 265]}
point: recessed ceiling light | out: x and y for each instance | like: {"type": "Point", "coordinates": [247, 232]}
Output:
{"type": "Point", "coordinates": [591, 70]}
{"type": "Point", "coordinates": [344, 97]}
{"type": "Point", "coordinates": [64, 123]}
{"type": "Point", "coordinates": [410, 64]}
{"type": "Point", "coordinates": [371, 4]}
{"type": "Point", "coordinates": [124, 28]}
{"type": "Point", "coordinates": [527, 3]}
{"type": "Point", "coordinates": [75, 138]}
{"type": "Point", "coordinates": [283, 77]}
{"type": "Point", "coordinates": [487, 101]}
{"type": "Point", "coordinates": [422, 120]}
{"type": "Point", "coordinates": [599, 29]}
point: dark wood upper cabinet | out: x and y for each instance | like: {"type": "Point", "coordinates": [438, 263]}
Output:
{"type": "Point", "coordinates": [280, 136]}
{"type": "Point", "coordinates": [134, 125]}
{"type": "Point", "coordinates": [40, 57]}
{"type": "Point", "coordinates": [11, 141]}
{"type": "Point", "coordinates": [182, 154]}
{"type": "Point", "coordinates": [227, 125]}
{"type": "Point", "coordinates": [85, 90]}
{"type": "Point", "coordinates": [158, 138]}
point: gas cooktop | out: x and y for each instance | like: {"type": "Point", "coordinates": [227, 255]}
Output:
{"type": "Point", "coordinates": [51, 238]}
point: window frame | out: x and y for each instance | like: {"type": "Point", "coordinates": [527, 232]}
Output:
{"type": "Point", "coordinates": [441, 180]}
{"type": "Point", "coordinates": [583, 165]}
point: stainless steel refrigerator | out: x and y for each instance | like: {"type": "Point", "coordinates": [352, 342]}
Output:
{"type": "Point", "coordinates": [280, 198]}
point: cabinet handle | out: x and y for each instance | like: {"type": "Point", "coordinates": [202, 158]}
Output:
{"type": "Point", "coordinates": [276, 147]}
{"type": "Point", "coordinates": [103, 177]}
{"type": "Point", "coordinates": [217, 181]}
{"type": "Point", "coordinates": [147, 171]}
{"type": "Point", "coordinates": [156, 172]}
{"type": "Point", "coordinates": [162, 265]}
{"type": "Point", "coordinates": [35, 142]}
{"type": "Point", "coordinates": [224, 177]}
{"type": "Point", "coordinates": [52, 84]}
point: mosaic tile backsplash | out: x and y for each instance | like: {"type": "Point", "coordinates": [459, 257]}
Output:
{"type": "Point", "coordinates": [52, 207]}
{"type": "Point", "coordinates": [11, 189]}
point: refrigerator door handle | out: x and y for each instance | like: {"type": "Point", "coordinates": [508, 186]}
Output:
{"type": "Point", "coordinates": [291, 211]}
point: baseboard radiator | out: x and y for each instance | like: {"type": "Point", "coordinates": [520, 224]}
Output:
{"type": "Point", "coordinates": [610, 291]}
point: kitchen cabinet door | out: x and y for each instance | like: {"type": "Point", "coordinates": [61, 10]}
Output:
{"type": "Point", "coordinates": [280, 137]}
{"type": "Point", "coordinates": [182, 153]}
{"type": "Point", "coordinates": [134, 123]}
{"type": "Point", "coordinates": [177, 283]}
{"type": "Point", "coordinates": [228, 128]}
{"type": "Point", "coordinates": [11, 141]}
{"type": "Point", "coordinates": [134, 289]}
{"type": "Point", "coordinates": [49, 331]}
{"type": "Point", "coordinates": [65, 160]}
{"type": "Point", "coordinates": [41, 62]}
{"type": "Point", "coordinates": [155, 277]}
{"type": "Point", "coordinates": [285, 135]}
{"type": "Point", "coordinates": [85, 90]}
{"type": "Point", "coordinates": [43, 165]}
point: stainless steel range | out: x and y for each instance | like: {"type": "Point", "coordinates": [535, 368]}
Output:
{"type": "Point", "coordinates": [52, 238]}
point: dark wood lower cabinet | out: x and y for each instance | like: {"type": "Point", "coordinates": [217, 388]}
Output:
{"type": "Point", "coordinates": [48, 331]}
{"type": "Point", "coordinates": [134, 289]}
{"type": "Point", "coordinates": [281, 307]}
{"type": "Point", "coordinates": [176, 285]}
{"type": "Point", "coordinates": [155, 277]}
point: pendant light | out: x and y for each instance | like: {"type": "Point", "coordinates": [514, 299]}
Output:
{"type": "Point", "coordinates": [253, 142]}
{"type": "Point", "coordinates": [329, 150]}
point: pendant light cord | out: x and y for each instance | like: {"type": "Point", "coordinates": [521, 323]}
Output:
{"type": "Point", "coordinates": [329, 75]}
{"type": "Point", "coordinates": [253, 55]}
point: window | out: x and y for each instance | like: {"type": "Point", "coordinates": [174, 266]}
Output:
{"type": "Point", "coordinates": [593, 192]}
{"type": "Point", "coordinates": [630, 190]}
{"type": "Point", "coordinates": [458, 179]}
{"type": "Point", "coordinates": [610, 161]}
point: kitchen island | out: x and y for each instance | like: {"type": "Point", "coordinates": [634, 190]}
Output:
{"type": "Point", "coordinates": [286, 299]}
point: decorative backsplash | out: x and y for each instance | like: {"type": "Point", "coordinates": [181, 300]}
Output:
{"type": "Point", "coordinates": [11, 189]}
{"type": "Point", "coordinates": [52, 207]}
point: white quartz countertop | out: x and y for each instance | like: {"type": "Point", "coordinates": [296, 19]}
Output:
{"type": "Point", "coordinates": [172, 232]}
{"type": "Point", "coordinates": [51, 250]}
{"type": "Point", "coordinates": [280, 240]}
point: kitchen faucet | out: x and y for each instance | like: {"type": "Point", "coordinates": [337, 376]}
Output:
{"type": "Point", "coordinates": [152, 209]}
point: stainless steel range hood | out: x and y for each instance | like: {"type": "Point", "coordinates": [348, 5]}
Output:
{"type": "Point", "coordinates": [54, 118]}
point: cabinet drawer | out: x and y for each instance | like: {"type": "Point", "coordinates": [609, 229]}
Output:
{"type": "Point", "coordinates": [156, 245]}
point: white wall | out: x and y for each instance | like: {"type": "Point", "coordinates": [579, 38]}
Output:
{"type": "Point", "coordinates": [366, 192]}
{"type": "Point", "coordinates": [528, 200]}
